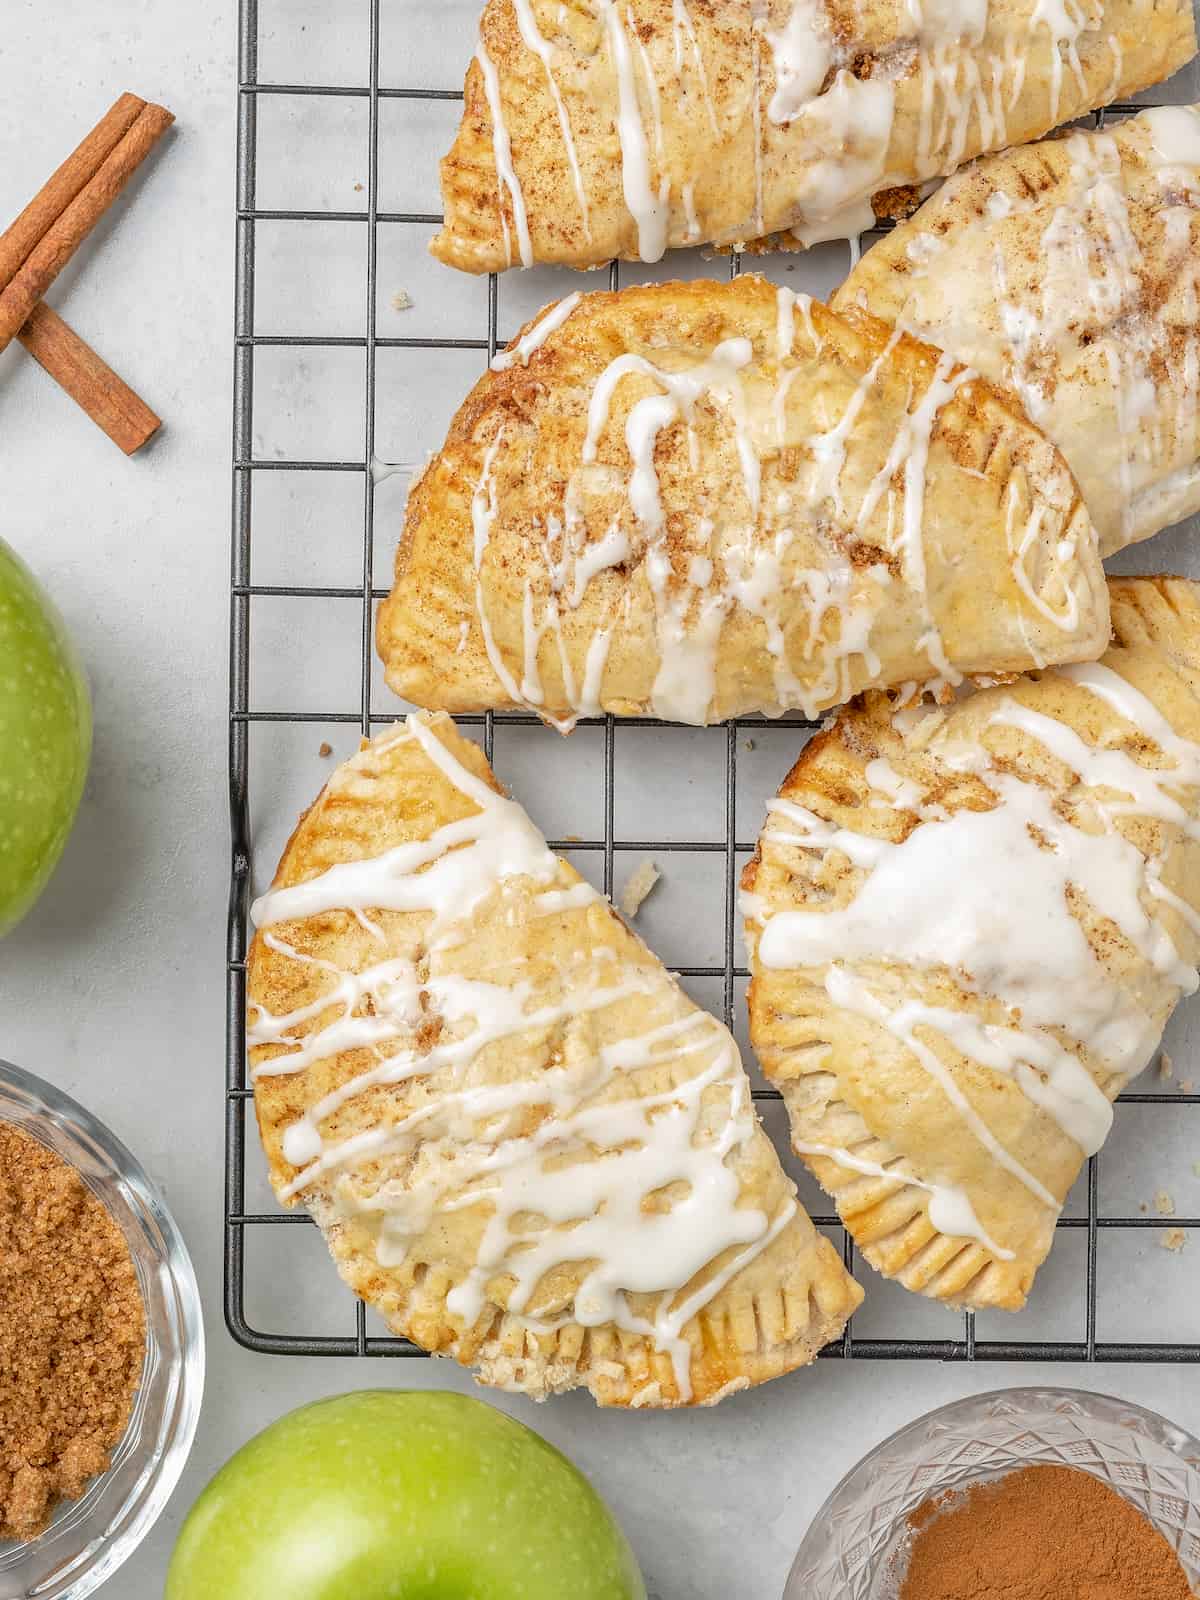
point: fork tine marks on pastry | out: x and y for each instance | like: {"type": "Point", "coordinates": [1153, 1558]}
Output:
{"type": "Point", "coordinates": [702, 500]}
{"type": "Point", "coordinates": [958, 976]}
{"type": "Point", "coordinates": [524, 1144]}
{"type": "Point", "coordinates": [1069, 271]}
{"type": "Point", "coordinates": [745, 119]}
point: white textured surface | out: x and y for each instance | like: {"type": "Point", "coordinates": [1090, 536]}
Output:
{"type": "Point", "coordinates": [114, 986]}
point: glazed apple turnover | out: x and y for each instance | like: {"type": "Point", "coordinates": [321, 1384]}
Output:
{"type": "Point", "coordinates": [700, 500]}
{"type": "Point", "coordinates": [1069, 271]}
{"type": "Point", "coordinates": [596, 129]}
{"type": "Point", "coordinates": [968, 925]}
{"type": "Point", "coordinates": [525, 1145]}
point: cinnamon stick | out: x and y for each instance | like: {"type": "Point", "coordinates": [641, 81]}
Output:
{"type": "Point", "coordinates": [61, 240]}
{"type": "Point", "coordinates": [92, 384]}
{"type": "Point", "coordinates": [53, 198]}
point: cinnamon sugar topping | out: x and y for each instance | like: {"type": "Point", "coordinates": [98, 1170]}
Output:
{"type": "Point", "coordinates": [72, 1334]}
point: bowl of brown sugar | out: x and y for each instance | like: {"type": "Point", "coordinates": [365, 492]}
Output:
{"type": "Point", "coordinates": [101, 1346]}
{"type": "Point", "coordinates": [1023, 1494]}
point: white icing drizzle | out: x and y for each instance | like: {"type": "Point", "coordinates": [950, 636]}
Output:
{"type": "Point", "coordinates": [470, 1145]}
{"type": "Point", "coordinates": [1064, 20]}
{"type": "Point", "coordinates": [535, 337]}
{"type": "Point", "coordinates": [847, 132]}
{"type": "Point", "coordinates": [985, 897]}
{"type": "Point", "coordinates": [689, 205]}
{"type": "Point", "coordinates": [685, 683]}
{"type": "Point", "coordinates": [936, 21]}
{"type": "Point", "coordinates": [544, 50]}
{"type": "Point", "coordinates": [649, 210]}
{"type": "Point", "coordinates": [527, 693]}
{"type": "Point", "coordinates": [505, 171]}
{"type": "Point", "coordinates": [1174, 134]}
{"type": "Point", "coordinates": [910, 451]}
{"type": "Point", "coordinates": [802, 51]}
{"type": "Point", "coordinates": [897, 789]}
{"type": "Point", "coordinates": [950, 1208]}
{"type": "Point", "coordinates": [683, 28]}
{"type": "Point", "coordinates": [1068, 313]}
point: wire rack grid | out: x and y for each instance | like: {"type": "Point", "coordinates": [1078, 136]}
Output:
{"type": "Point", "coordinates": [242, 715]}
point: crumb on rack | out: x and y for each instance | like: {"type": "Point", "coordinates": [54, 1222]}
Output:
{"type": "Point", "coordinates": [1143, 1207]}
{"type": "Point", "coordinates": [402, 300]}
{"type": "Point", "coordinates": [749, 744]}
{"type": "Point", "coordinates": [1166, 1066]}
{"type": "Point", "coordinates": [1173, 1239]}
{"type": "Point", "coordinates": [638, 887]}
{"type": "Point", "coordinates": [326, 749]}
{"type": "Point", "coordinates": [1187, 1086]}
{"type": "Point", "coordinates": [1164, 1204]}
{"type": "Point", "coordinates": [358, 188]}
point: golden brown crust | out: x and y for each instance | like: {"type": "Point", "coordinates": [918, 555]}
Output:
{"type": "Point", "coordinates": [889, 111]}
{"type": "Point", "coordinates": [853, 1085]}
{"type": "Point", "coordinates": [886, 530]}
{"type": "Point", "coordinates": [776, 1310]}
{"type": "Point", "coordinates": [1066, 271]}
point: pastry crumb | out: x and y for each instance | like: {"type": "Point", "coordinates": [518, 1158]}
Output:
{"type": "Point", "coordinates": [1143, 1208]}
{"type": "Point", "coordinates": [1164, 1204]}
{"type": "Point", "coordinates": [1187, 1086]}
{"type": "Point", "coordinates": [638, 887]}
{"type": "Point", "coordinates": [402, 300]}
{"type": "Point", "coordinates": [325, 748]}
{"type": "Point", "coordinates": [1166, 1067]}
{"type": "Point", "coordinates": [749, 744]}
{"type": "Point", "coordinates": [1173, 1239]}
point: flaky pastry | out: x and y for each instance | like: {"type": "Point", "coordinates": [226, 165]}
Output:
{"type": "Point", "coordinates": [700, 500]}
{"type": "Point", "coordinates": [1069, 271]}
{"type": "Point", "coordinates": [526, 1147]}
{"type": "Point", "coordinates": [599, 128]}
{"type": "Point", "coordinates": [968, 926]}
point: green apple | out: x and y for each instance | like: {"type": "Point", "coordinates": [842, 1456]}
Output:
{"type": "Point", "coordinates": [45, 736]}
{"type": "Point", "coordinates": [392, 1495]}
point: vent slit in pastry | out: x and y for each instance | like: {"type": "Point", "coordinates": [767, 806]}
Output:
{"type": "Point", "coordinates": [699, 500]}
{"type": "Point", "coordinates": [968, 926]}
{"type": "Point", "coordinates": [1069, 272]}
{"type": "Point", "coordinates": [626, 127]}
{"type": "Point", "coordinates": [526, 1147]}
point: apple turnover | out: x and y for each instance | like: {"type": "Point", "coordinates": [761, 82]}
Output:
{"type": "Point", "coordinates": [1069, 271]}
{"type": "Point", "coordinates": [968, 925]}
{"type": "Point", "coordinates": [596, 129]}
{"type": "Point", "coordinates": [701, 500]}
{"type": "Point", "coordinates": [526, 1147]}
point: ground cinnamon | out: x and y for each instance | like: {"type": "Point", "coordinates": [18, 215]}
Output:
{"type": "Point", "coordinates": [72, 1334]}
{"type": "Point", "coordinates": [1041, 1533]}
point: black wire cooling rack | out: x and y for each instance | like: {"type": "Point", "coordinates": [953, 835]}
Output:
{"type": "Point", "coordinates": [242, 714]}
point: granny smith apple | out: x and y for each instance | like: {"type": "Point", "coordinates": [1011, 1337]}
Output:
{"type": "Point", "coordinates": [45, 736]}
{"type": "Point", "coordinates": [387, 1495]}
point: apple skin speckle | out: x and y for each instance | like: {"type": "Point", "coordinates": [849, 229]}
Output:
{"type": "Point", "coordinates": [45, 737]}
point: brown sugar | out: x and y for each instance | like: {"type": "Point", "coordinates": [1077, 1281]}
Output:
{"type": "Point", "coordinates": [72, 1334]}
{"type": "Point", "coordinates": [1041, 1533]}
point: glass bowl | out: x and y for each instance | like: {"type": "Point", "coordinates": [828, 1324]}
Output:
{"type": "Point", "coordinates": [89, 1538]}
{"type": "Point", "coordinates": [858, 1538]}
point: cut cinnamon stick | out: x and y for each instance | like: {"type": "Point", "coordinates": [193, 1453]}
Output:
{"type": "Point", "coordinates": [91, 382]}
{"type": "Point", "coordinates": [61, 240]}
{"type": "Point", "coordinates": [53, 198]}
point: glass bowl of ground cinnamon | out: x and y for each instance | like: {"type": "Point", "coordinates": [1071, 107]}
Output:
{"type": "Point", "coordinates": [101, 1346]}
{"type": "Point", "coordinates": [1023, 1494]}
